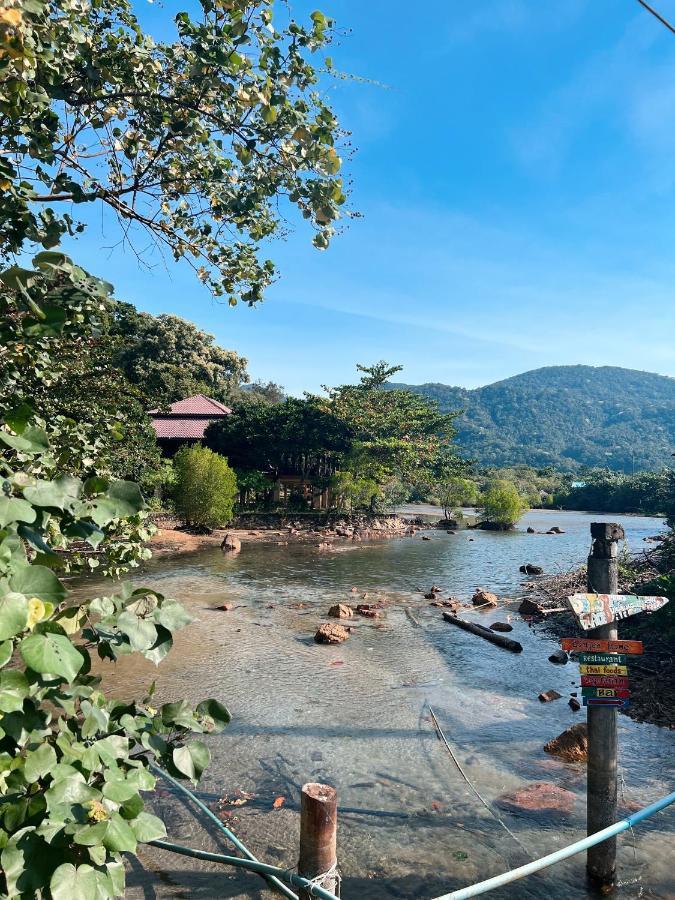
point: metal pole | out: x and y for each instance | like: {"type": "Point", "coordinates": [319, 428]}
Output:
{"type": "Point", "coordinates": [318, 837]}
{"type": "Point", "coordinates": [603, 578]}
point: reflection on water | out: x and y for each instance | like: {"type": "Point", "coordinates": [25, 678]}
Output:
{"type": "Point", "coordinates": [356, 715]}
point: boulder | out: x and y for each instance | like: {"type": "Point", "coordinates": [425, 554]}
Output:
{"type": "Point", "coordinates": [531, 530]}
{"type": "Point", "coordinates": [530, 569]}
{"type": "Point", "coordinates": [452, 532]}
{"type": "Point", "coordinates": [369, 610]}
{"type": "Point", "coordinates": [484, 598]}
{"type": "Point", "coordinates": [572, 744]}
{"type": "Point", "coordinates": [530, 608]}
{"type": "Point", "coordinates": [230, 544]}
{"type": "Point", "coordinates": [331, 634]}
{"type": "Point", "coordinates": [574, 704]}
{"type": "Point", "coordinates": [547, 696]}
{"type": "Point", "coordinates": [559, 657]}
{"type": "Point", "coordinates": [225, 607]}
{"type": "Point", "coordinates": [425, 537]}
{"type": "Point", "coordinates": [538, 797]}
{"type": "Point", "coordinates": [341, 611]}
{"type": "Point", "coordinates": [501, 626]}
{"type": "Point", "coordinates": [556, 530]}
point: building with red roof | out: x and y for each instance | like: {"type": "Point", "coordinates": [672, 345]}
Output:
{"type": "Point", "coordinates": [186, 421]}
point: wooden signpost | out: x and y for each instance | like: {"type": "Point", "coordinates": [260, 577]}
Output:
{"type": "Point", "coordinates": [604, 684]}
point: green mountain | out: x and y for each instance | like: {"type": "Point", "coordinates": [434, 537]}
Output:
{"type": "Point", "coordinates": [567, 417]}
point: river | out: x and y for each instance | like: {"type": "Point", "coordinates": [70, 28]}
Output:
{"type": "Point", "coordinates": [356, 716]}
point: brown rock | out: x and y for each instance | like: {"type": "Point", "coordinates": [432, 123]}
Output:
{"type": "Point", "coordinates": [230, 544]}
{"type": "Point", "coordinates": [225, 607]}
{"type": "Point", "coordinates": [547, 696]}
{"type": "Point", "coordinates": [450, 603]}
{"type": "Point", "coordinates": [574, 704]}
{"type": "Point", "coordinates": [538, 797]}
{"type": "Point", "coordinates": [559, 657]}
{"type": "Point", "coordinates": [530, 608]}
{"type": "Point", "coordinates": [572, 744]}
{"type": "Point", "coordinates": [370, 610]}
{"type": "Point", "coordinates": [341, 611]}
{"type": "Point", "coordinates": [501, 626]}
{"type": "Point", "coordinates": [331, 634]}
{"type": "Point", "coordinates": [484, 598]}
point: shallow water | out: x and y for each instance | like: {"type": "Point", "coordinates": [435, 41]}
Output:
{"type": "Point", "coordinates": [356, 716]}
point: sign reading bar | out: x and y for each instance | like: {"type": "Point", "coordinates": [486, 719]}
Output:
{"type": "Point", "coordinates": [615, 681]}
{"type": "Point", "coordinates": [603, 670]}
{"type": "Point", "coordinates": [593, 610]}
{"type": "Point", "coordinates": [605, 701]}
{"type": "Point", "coordinates": [596, 645]}
{"type": "Point", "coordinates": [602, 659]}
{"type": "Point", "coordinates": [604, 692]}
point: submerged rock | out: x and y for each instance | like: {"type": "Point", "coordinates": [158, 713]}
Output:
{"type": "Point", "coordinates": [531, 569]}
{"type": "Point", "coordinates": [530, 608]}
{"type": "Point", "coordinates": [341, 611]}
{"type": "Point", "coordinates": [531, 530]}
{"type": "Point", "coordinates": [369, 610]}
{"type": "Point", "coordinates": [230, 544]}
{"type": "Point", "coordinates": [559, 657]}
{"type": "Point", "coordinates": [547, 696]}
{"type": "Point", "coordinates": [501, 626]}
{"type": "Point", "coordinates": [484, 598]}
{"type": "Point", "coordinates": [574, 704]}
{"type": "Point", "coordinates": [331, 634]}
{"type": "Point", "coordinates": [538, 797]}
{"type": "Point", "coordinates": [572, 744]}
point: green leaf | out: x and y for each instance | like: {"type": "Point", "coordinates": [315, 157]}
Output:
{"type": "Point", "coordinates": [147, 827]}
{"type": "Point", "coordinates": [81, 883]}
{"type": "Point", "coordinates": [161, 647]}
{"type": "Point", "coordinates": [13, 614]}
{"type": "Point", "coordinates": [6, 650]}
{"type": "Point", "coordinates": [90, 835]}
{"type": "Point", "coordinates": [51, 654]}
{"type": "Point", "coordinates": [61, 494]}
{"type": "Point", "coordinates": [216, 711]}
{"type": "Point", "coordinates": [122, 499]}
{"type": "Point", "coordinates": [19, 416]}
{"type": "Point", "coordinates": [13, 509]}
{"type": "Point", "coordinates": [119, 836]}
{"type": "Point", "coordinates": [39, 763]}
{"type": "Point", "coordinates": [37, 581]}
{"type": "Point", "coordinates": [118, 791]}
{"type": "Point", "coordinates": [172, 615]}
{"type": "Point", "coordinates": [14, 689]}
{"type": "Point", "coordinates": [142, 634]}
{"type": "Point", "coordinates": [31, 440]}
{"type": "Point", "coordinates": [27, 862]}
{"type": "Point", "coordinates": [70, 790]}
{"type": "Point", "coordinates": [192, 759]}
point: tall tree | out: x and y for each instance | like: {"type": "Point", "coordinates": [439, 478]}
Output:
{"type": "Point", "coordinates": [168, 358]}
{"type": "Point", "coordinates": [190, 143]}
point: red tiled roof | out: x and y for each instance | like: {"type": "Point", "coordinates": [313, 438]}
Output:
{"type": "Point", "coordinates": [199, 405]}
{"type": "Point", "coordinates": [188, 419]}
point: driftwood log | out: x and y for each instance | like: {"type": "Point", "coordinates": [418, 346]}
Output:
{"type": "Point", "coordinates": [484, 632]}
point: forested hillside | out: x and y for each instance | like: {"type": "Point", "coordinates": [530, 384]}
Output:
{"type": "Point", "coordinates": [566, 416]}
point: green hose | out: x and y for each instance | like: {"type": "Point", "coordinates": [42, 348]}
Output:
{"type": "Point", "coordinates": [250, 864]}
{"type": "Point", "coordinates": [274, 882]}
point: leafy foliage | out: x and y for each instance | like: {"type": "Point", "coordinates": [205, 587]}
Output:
{"type": "Point", "coordinates": [189, 143]}
{"type": "Point", "coordinates": [601, 490]}
{"type": "Point", "coordinates": [501, 504]}
{"type": "Point", "coordinates": [566, 417]}
{"type": "Point", "coordinates": [205, 488]}
{"type": "Point", "coordinates": [455, 493]}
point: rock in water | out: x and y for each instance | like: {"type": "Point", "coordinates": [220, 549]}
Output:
{"type": "Point", "coordinates": [230, 544]}
{"type": "Point", "coordinates": [530, 530]}
{"type": "Point", "coordinates": [331, 634]}
{"type": "Point", "coordinates": [501, 626]}
{"type": "Point", "coordinates": [530, 569]}
{"type": "Point", "coordinates": [341, 611]}
{"type": "Point", "coordinates": [547, 696]}
{"type": "Point", "coordinates": [370, 610]}
{"type": "Point", "coordinates": [574, 704]}
{"type": "Point", "coordinates": [559, 657]}
{"type": "Point", "coordinates": [572, 744]}
{"type": "Point", "coordinates": [530, 608]}
{"type": "Point", "coordinates": [538, 797]}
{"type": "Point", "coordinates": [484, 598]}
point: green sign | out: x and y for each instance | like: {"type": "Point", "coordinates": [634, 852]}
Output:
{"type": "Point", "coordinates": [599, 659]}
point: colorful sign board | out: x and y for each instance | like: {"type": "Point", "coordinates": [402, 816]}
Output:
{"type": "Point", "coordinates": [593, 610]}
{"type": "Point", "coordinates": [615, 681]}
{"type": "Point", "coordinates": [605, 701]}
{"type": "Point", "coordinates": [604, 692]}
{"type": "Point", "coordinates": [603, 670]}
{"type": "Point", "coordinates": [596, 645]}
{"type": "Point", "coordinates": [602, 659]}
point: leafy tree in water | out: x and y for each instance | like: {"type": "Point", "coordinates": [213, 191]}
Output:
{"type": "Point", "coordinates": [455, 493]}
{"type": "Point", "coordinates": [205, 487]}
{"type": "Point", "coordinates": [189, 143]}
{"type": "Point", "coordinates": [502, 505]}
{"type": "Point", "coordinates": [168, 358]}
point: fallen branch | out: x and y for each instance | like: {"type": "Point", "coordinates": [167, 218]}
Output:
{"type": "Point", "coordinates": [482, 631]}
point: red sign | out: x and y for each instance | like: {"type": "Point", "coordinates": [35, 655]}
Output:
{"type": "Point", "coordinates": [589, 645]}
{"type": "Point", "coordinates": [615, 681]}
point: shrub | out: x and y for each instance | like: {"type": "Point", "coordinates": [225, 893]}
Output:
{"type": "Point", "coordinates": [206, 487]}
{"type": "Point", "coordinates": [502, 505]}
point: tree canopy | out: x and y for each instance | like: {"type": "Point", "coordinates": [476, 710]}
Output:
{"type": "Point", "coordinates": [190, 143]}
{"type": "Point", "coordinates": [502, 505]}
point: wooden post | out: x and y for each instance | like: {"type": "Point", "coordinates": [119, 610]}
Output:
{"type": "Point", "coordinates": [318, 835]}
{"type": "Point", "coordinates": [603, 575]}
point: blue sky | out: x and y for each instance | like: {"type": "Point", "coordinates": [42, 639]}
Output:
{"type": "Point", "coordinates": [515, 168]}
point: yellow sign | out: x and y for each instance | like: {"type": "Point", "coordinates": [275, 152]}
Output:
{"type": "Point", "coordinates": [603, 670]}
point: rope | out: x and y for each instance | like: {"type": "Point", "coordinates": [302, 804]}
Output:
{"type": "Point", "coordinates": [487, 806]}
{"type": "Point", "coordinates": [319, 880]}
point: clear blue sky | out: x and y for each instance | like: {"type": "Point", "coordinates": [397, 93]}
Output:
{"type": "Point", "coordinates": [516, 175]}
